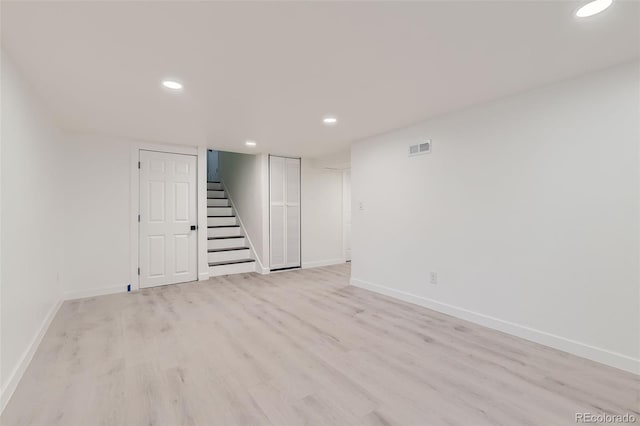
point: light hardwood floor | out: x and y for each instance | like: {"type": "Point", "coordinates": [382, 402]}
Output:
{"type": "Point", "coordinates": [297, 348]}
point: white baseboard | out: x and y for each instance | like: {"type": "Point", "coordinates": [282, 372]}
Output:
{"type": "Point", "coordinates": [203, 276]}
{"type": "Point", "coordinates": [81, 294]}
{"type": "Point", "coordinates": [259, 268]}
{"type": "Point", "coordinates": [16, 374]}
{"type": "Point", "coordinates": [319, 263]}
{"type": "Point", "coordinates": [580, 349]}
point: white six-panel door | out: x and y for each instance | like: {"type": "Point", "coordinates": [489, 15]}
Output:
{"type": "Point", "coordinates": [168, 210]}
{"type": "Point", "coordinates": [284, 213]}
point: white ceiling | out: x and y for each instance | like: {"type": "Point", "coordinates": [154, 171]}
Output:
{"type": "Point", "coordinates": [271, 71]}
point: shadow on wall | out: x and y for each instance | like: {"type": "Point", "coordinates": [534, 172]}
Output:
{"type": "Point", "coordinates": [212, 166]}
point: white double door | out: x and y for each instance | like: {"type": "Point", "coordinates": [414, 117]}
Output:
{"type": "Point", "coordinates": [284, 212]}
{"type": "Point", "coordinates": [168, 218]}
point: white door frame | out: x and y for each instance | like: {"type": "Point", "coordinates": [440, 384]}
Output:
{"type": "Point", "coordinates": [134, 205]}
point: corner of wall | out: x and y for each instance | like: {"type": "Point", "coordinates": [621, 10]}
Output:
{"type": "Point", "coordinates": [27, 356]}
{"type": "Point", "coordinates": [583, 350]}
{"type": "Point", "coordinates": [31, 138]}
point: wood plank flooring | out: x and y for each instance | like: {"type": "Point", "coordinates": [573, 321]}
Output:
{"type": "Point", "coordinates": [297, 348]}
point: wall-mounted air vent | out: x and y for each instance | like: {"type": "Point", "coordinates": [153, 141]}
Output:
{"type": "Point", "coordinates": [421, 148]}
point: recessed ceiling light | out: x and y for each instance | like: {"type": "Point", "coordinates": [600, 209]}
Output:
{"type": "Point", "coordinates": [250, 143]}
{"type": "Point", "coordinates": [593, 8]}
{"type": "Point", "coordinates": [330, 121]}
{"type": "Point", "coordinates": [172, 84]}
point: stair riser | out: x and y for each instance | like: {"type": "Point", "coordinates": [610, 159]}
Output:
{"type": "Point", "coordinates": [221, 221]}
{"type": "Point", "coordinates": [223, 256]}
{"type": "Point", "coordinates": [211, 185]}
{"type": "Point", "coordinates": [223, 232]}
{"type": "Point", "coordinates": [225, 243]}
{"type": "Point", "coordinates": [236, 268]}
{"type": "Point", "coordinates": [215, 194]}
{"type": "Point", "coordinates": [217, 202]}
{"type": "Point", "coordinates": [219, 211]}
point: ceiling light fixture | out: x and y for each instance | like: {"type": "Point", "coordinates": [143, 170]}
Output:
{"type": "Point", "coordinates": [172, 84]}
{"type": "Point", "coordinates": [593, 8]}
{"type": "Point", "coordinates": [329, 121]}
{"type": "Point", "coordinates": [250, 143]}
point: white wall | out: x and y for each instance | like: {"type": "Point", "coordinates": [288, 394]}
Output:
{"type": "Point", "coordinates": [321, 215]}
{"type": "Point", "coordinates": [99, 233]}
{"type": "Point", "coordinates": [212, 166]}
{"type": "Point", "coordinates": [244, 176]}
{"type": "Point", "coordinates": [96, 182]}
{"type": "Point", "coordinates": [66, 218]}
{"type": "Point", "coordinates": [30, 225]}
{"type": "Point", "coordinates": [527, 209]}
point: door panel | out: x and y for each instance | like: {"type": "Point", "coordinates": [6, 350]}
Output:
{"type": "Point", "coordinates": [156, 201]}
{"type": "Point", "coordinates": [168, 208]}
{"type": "Point", "coordinates": [181, 190]}
{"type": "Point", "coordinates": [284, 200]}
{"type": "Point", "coordinates": [278, 258]}
{"type": "Point", "coordinates": [181, 248]}
{"type": "Point", "coordinates": [292, 181]}
{"type": "Point", "coordinates": [277, 187]}
{"type": "Point", "coordinates": [293, 236]}
{"type": "Point", "coordinates": [155, 264]}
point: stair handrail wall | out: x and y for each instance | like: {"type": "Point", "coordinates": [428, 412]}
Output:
{"type": "Point", "coordinates": [259, 267]}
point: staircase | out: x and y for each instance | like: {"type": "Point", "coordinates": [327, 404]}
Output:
{"type": "Point", "coordinates": [228, 251]}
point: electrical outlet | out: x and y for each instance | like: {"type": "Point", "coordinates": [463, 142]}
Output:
{"type": "Point", "coordinates": [433, 278]}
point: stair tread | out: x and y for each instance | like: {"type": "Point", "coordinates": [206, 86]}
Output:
{"type": "Point", "coordinates": [212, 181]}
{"type": "Point", "coordinates": [225, 238]}
{"type": "Point", "coordinates": [217, 198]}
{"type": "Point", "coordinates": [227, 249]}
{"type": "Point", "coordinates": [231, 262]}
{"type": "Point", "coordinates": [224, 226]}
{"type": "Point", "coordinates": [221, 215]}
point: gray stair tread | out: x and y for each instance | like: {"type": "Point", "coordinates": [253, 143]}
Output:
{"type": "Point", "coordinates": [225, 238]}
{"type": "Point", "coordinates": [231, 262]}
{"type": "Point", "coordinates": [227, 249]}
